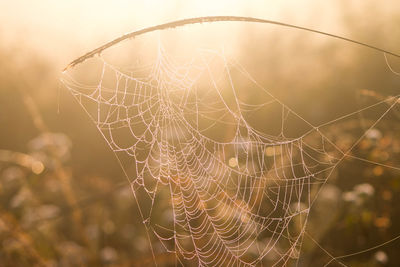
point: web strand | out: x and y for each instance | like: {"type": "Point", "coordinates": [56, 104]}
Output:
{"type": "Point", "coordinates": [241, 200]}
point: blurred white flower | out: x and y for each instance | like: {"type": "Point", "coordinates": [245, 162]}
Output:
{"type": "Point", "coordinates": [373, 134]}
{"type": "Point", "coordinates": [330, 193]}
{"type": "Point", "coordinates": [109, 254]}
{"type": "Point", "coordinates": [51, 144]}
{"type": "Point", "coordinates": [349, 196]}
{"type": "Point", "coordinates": [23, 195]}
{"type": "Point", "coordinates": [381, 257]}
{"type": "Point", "coordinates": [364, 189]}
{"type": "Point", "coordinates": [43, 212]}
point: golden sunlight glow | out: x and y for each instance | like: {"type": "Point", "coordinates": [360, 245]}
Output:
{"type": "Point", "coordinates": [88, 24]}
{"type": "Point", "coordinates": [199, 133]}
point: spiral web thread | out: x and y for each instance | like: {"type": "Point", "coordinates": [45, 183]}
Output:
{"type": "Point", "coordinates": [242, 200]}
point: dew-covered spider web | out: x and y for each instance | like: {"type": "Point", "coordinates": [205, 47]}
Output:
{"type": "Point", "coordinates": [217, 176]}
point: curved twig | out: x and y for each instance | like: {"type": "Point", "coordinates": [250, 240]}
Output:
{"type": "Point", "coordinates": [179, 23]}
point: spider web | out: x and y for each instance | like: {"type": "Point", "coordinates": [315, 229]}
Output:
{"type": "Point", "coordinates": [211, 186]}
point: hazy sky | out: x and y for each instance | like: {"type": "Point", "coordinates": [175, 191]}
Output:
{"type": "Point", "coordinates": [70, 28]}
{"type": "Point", "coordinates": [73, 27]}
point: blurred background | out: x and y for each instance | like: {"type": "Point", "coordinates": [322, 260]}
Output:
{"type": "Point", "coordinates": [64, 200]}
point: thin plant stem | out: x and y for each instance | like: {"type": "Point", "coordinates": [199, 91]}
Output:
{"type": "Point", "coordinates": [208, 19]}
